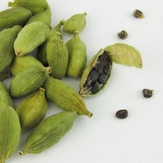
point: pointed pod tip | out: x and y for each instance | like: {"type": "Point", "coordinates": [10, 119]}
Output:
{"type": "Point", "coordinates": [20, 153]}
{"type": "Point", "coordinates": [18, 52]}
{"type": "Point", "coordinates": [48, 69]}
{"type": "Point", "coordinates": [85, 13]}
{"type": "Point", "coordinates": [90, 114]}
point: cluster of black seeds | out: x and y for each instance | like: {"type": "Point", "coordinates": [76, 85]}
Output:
{"type": "Point", "coordinates": [99, 74]}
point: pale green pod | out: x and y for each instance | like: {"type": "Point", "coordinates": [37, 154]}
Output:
{"type": "Point", "coordinates": [77, 56]}
{"type": "Point", "coordinates": [32, 109]}
{"type": "Point", "coordinates": [14, 16]}
{"type": "Point", "coordinates": [42, 54]}
{"type": "Point", "coordinates": [28, 81]}
{"type": "Point", "coordinates": [124, 54]}
{"type": "Point", "coordinates": [7, 38]}
{"type": "Point", "coordinates": [76, 22]}
{"type": "Point", "coordinates": [49, 132]}
{"type": "Point", "coordinates": [44, 17]}
{"type": "Point", "coordinates": [65, 97]}
{"type": "Point", "coordinates": [5, 97]}
{"type": "Point", "coordinates": [10, 131]}
{"type": "Point", "coordinates": [96, 74]}
{"type": "Point", "coordinates": [57, 56]}
{"type": "Point", "coordinates": [30, 37]}
{"type": "Point", "coordinates": [21, 63]}
{"type": "Point", "coordinates": [35, 6]}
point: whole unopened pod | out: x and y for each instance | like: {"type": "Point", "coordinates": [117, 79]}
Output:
{"type": "Point", "coordinates": [30, 37]}
{"type": "Point", "coordinates": [14, 16]}
{"type": "Point", "coordinates": [49, 132]}
{"type": "Point", "coordinates": [32, 109]}
{"type": "Point", "coordinates": [65, 97]}
{"type": "Point", "coordinates": [57, 56]}
{"type": "Point", "coordinates": [74, 23]}
{"type": "Point", "coordinates": [10, 131]}
{"type": "Point", "coordinates": [35, 6]}
{"type": "Point", "coordinates": [7, 38]}
{"type": "Point", "coordinates": [77, 56]}
{"type": "Point", "coordinates": [28, 81]}
{"type": "Point", "coordinates": [21, 63]}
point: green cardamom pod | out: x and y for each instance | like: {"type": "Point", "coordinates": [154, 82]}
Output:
{"type": "Point", "coordinates": [7, 38]}
{"type": "Point", "coordinates": [76, 22]}
{"type": "Point", "coordinates": [5, 97]}
{"type": "Point", "coordinates": [30, 37]}
{"type": "Point", "coordinates": [28, 81]}
{"type": "Point", "coordinates": [21, 63]}
{"type": "Point", "coordinates": [32, 109]}
{"type": "Point", "coordinates": [124, 54]}
{"type": "Point", "coordinates": [10, 131]}
{"type": "Point", "coordinates": [57, 56]}
{"type": "Point", "coordinates": [96, 74]}
{"type": "Point", "coordinates": [65, 97]}
{"type": "Point", "coordinates": [35, 6]}
{"type": "Point", "coordinates": [77, 56]}
{"type": "Point", "coordinates": [14, 16]}
{"type": "Point", "coordinates": [42, 54]}
{"type": "Point", "coordinates": [44, 17]}
{"type": "Point", "coordinates": [49, 132]}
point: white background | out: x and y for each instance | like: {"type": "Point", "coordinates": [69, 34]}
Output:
{"type": "Point", "coordinates": [104, 138]}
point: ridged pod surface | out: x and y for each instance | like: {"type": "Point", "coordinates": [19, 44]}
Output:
{"type": "Point", "coordinates": [5, 97]}
{"type": "Point", "coordinates": [42, 53]}
{"type": "Point", "coordinates": [7, 38]}
{"type": "Point", "coordinates": [74, 23]}
{"type": "Point", "coordinates": [44, 17]}
{"type": "Point", "coordinates": [50, 131]}
{"type": "Point", "coordinates": [14, 16]}
{"type": "Point", "coordinates": [35, 6]}
{"type": "Point", "coordinates": [21, 63]}
{"type": "Point", "coordinates": [10, 131]}
{"type": "Point", "coordinates": [28, 81]}
{"type": "Point", "coordinates": [77, 56]}
{"type": "Point", "coordinates": [65, 97]}
{"type": "Point", "coordinates": [30, 37]}
{"type": "Point", "coordinates": [32, 109]}
{"type": "Point", "coordinates": [57, 56]}
{"type": "Point", "coordinates": [96, 74]}
{"type": "Point", "coordinates": [124, 54]}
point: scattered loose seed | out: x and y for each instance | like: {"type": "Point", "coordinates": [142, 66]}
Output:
{"type": "Point", "coordinates": [147, 93]}
{"type": "Point", "coordinates": [122, 113]}
{"type": "Point", "coordinates": [122, 34]}
{"type": "Point", "coordinates": [138, 14]}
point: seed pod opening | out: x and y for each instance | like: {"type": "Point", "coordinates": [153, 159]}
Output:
{"type": "Point", "coordinates": [96, 74]}
{"type": "Point", "coordinates": [124, 54]}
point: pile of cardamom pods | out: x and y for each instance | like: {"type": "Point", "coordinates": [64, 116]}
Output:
{"type": "Point", "coordinates": [24, 27]}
